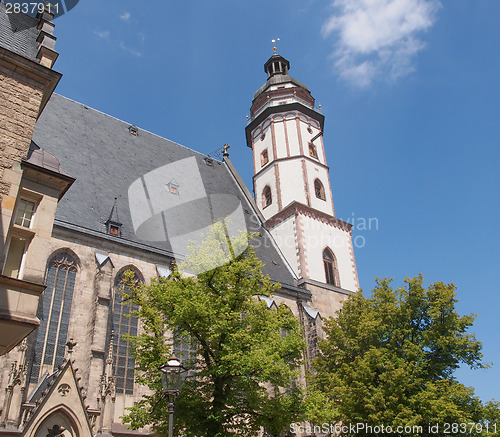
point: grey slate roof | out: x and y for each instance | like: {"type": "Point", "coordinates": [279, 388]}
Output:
{"type": "Point", "coordinates": [18, 33]}
{"type": "Point", "coordinates": [106, 159]}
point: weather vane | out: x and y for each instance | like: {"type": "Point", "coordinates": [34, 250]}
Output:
{"type": "Point", "coordinates": [274, 44]}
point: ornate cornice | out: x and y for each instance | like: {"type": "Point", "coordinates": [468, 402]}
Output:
{"type": "Point", "coordinates": [296, 208]}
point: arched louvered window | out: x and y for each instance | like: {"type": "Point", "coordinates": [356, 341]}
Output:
{"type": "Point", "coordinates": [267, 197]}
{"type": "Point", "coordinates": [319, 190]}
{"type": "Point", "coordinates": [331, 271]}
{"type": "Point", "coordinates": [51, 335]}
{"type": "Point", "coordinates": [124, 323]}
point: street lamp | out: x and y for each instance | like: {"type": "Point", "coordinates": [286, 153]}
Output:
{"type": "Point", "coordinates": [172, 379]}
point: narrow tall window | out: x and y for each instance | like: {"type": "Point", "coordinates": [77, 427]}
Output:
{"type": "Point", "coordinates": [330, 264]}
{"type": "Point", "coordinates": [267, 197]}
{"type": "Point", "coordinates": [319, 190]}
{"type": "Point", "coordinates": [124, 324]}
{"type": "Point", "coordinates": [264, 158]}
{"type": "Point", "coordinates": [185, 348]}
{"type": "Point", "coordinates": [55, 314]}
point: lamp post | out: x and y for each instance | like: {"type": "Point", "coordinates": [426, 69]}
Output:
{"type": "Point", "coordinates": [172, 379]}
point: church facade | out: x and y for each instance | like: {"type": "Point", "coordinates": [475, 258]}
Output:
{"type": "Point", "coordinates": [86, 197]}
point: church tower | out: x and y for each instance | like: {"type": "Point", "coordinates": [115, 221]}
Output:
{"type": "Point", "coordinates": [291, 181]}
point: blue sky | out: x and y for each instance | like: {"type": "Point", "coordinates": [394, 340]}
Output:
{"type": "Point", "coordinates": [409, 88]}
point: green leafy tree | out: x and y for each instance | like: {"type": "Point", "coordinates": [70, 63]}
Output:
{"type": "Point", "coordinates": [389, 360]}
{"type": "Point", "coordinates": [247, 355]}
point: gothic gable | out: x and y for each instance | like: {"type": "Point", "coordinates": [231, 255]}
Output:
{"type": "Point", "coordinates": [60, 412]}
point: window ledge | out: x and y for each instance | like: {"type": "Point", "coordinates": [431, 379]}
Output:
{"type": "Point", "coordinates": [22, 231]}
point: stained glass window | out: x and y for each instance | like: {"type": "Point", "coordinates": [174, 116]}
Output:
{"type": "Point", "coordinates": [124, 323]}
{"type": "Point", "coordinates": [55, 314]}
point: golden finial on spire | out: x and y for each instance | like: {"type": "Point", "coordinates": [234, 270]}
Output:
{"type": "Point", "coordinates": [274, 44]}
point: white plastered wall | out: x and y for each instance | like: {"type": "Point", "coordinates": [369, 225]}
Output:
{"type": "Point", "coordinates": [316, 172]}
{"type": "Point", "coordinates": [267, 177]}
{"type": "Point", "coordinates": [318, 235]}
{"type": "Point", "coordinates": [292, 182]}
{"type": "Point", "coordinates": [285, 236]}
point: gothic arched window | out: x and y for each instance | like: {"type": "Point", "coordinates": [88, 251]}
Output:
{"type": "Point", "coordinates": [331, 271]}
{"type": "Point", "coordinates": [319, 190]}
{"type": "Point", "coordinates": [186, 349]}
{"type": "Point", "coordinates": [267, 197]}
{"type": "Point", "coordinates": [55, 313]}
{"type": "Point", "coordinates": [124, 323]}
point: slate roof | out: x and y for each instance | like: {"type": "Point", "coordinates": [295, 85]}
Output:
{"type": "Point", "coordinates": [18, 33]}
{"type": "Point", "coordinates": [106, 159]}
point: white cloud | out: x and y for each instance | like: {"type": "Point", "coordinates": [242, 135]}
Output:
{"type": "Point", "coordinates": [130, 50]}
{"type": "Point", "coordinates": [125, 16]}
{"type": "Point", "coordinates": [104, 34]}
{"type": "Point", "coordinates": [378, 37]}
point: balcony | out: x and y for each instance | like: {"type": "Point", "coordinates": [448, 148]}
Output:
{"type": "Point", "coordinates": [18, 310]}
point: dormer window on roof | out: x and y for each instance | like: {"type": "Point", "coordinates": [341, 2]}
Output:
{"type": "Point", "coordinates": [113, 224]}
{"type": "Point", "coordinates": [133, 130]}
{"type": "Point", "coordinates": [173, 187]}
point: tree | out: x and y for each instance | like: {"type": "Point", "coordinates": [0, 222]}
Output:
{"type": "Point", "coordinates": [389, 360]}
{"type": "Point", "coordinates": [247, 355]}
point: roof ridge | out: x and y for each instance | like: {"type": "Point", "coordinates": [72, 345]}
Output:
{"type": "Point", "coordinates": [130, 124]}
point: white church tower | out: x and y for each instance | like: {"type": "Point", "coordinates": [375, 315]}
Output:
{"type": "Point", "coordinates": [292, 184]}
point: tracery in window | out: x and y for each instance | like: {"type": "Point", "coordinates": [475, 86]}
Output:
{"type": "Point", "coordinates": [319, 190]}
{"type": "Point", "coordinates": [267, 197]}
{"type": "Point", "coordinates": [55, 314]}
{"type": "Point", "coordinates": [124, 324]}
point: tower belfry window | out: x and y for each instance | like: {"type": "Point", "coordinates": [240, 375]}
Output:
{"type": "Point", "coordinates": [330, 265]}
{"type": "Point", "coordinates": [319, 190]}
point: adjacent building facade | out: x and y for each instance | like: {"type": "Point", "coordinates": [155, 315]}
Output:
{"type": "Point", "coordinates": [77, 212]}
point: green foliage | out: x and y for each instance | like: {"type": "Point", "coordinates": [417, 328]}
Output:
{"type": "Point", "coordinates": [248, 355]}
{"type": "Point", "coordinates": [389, 360]}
